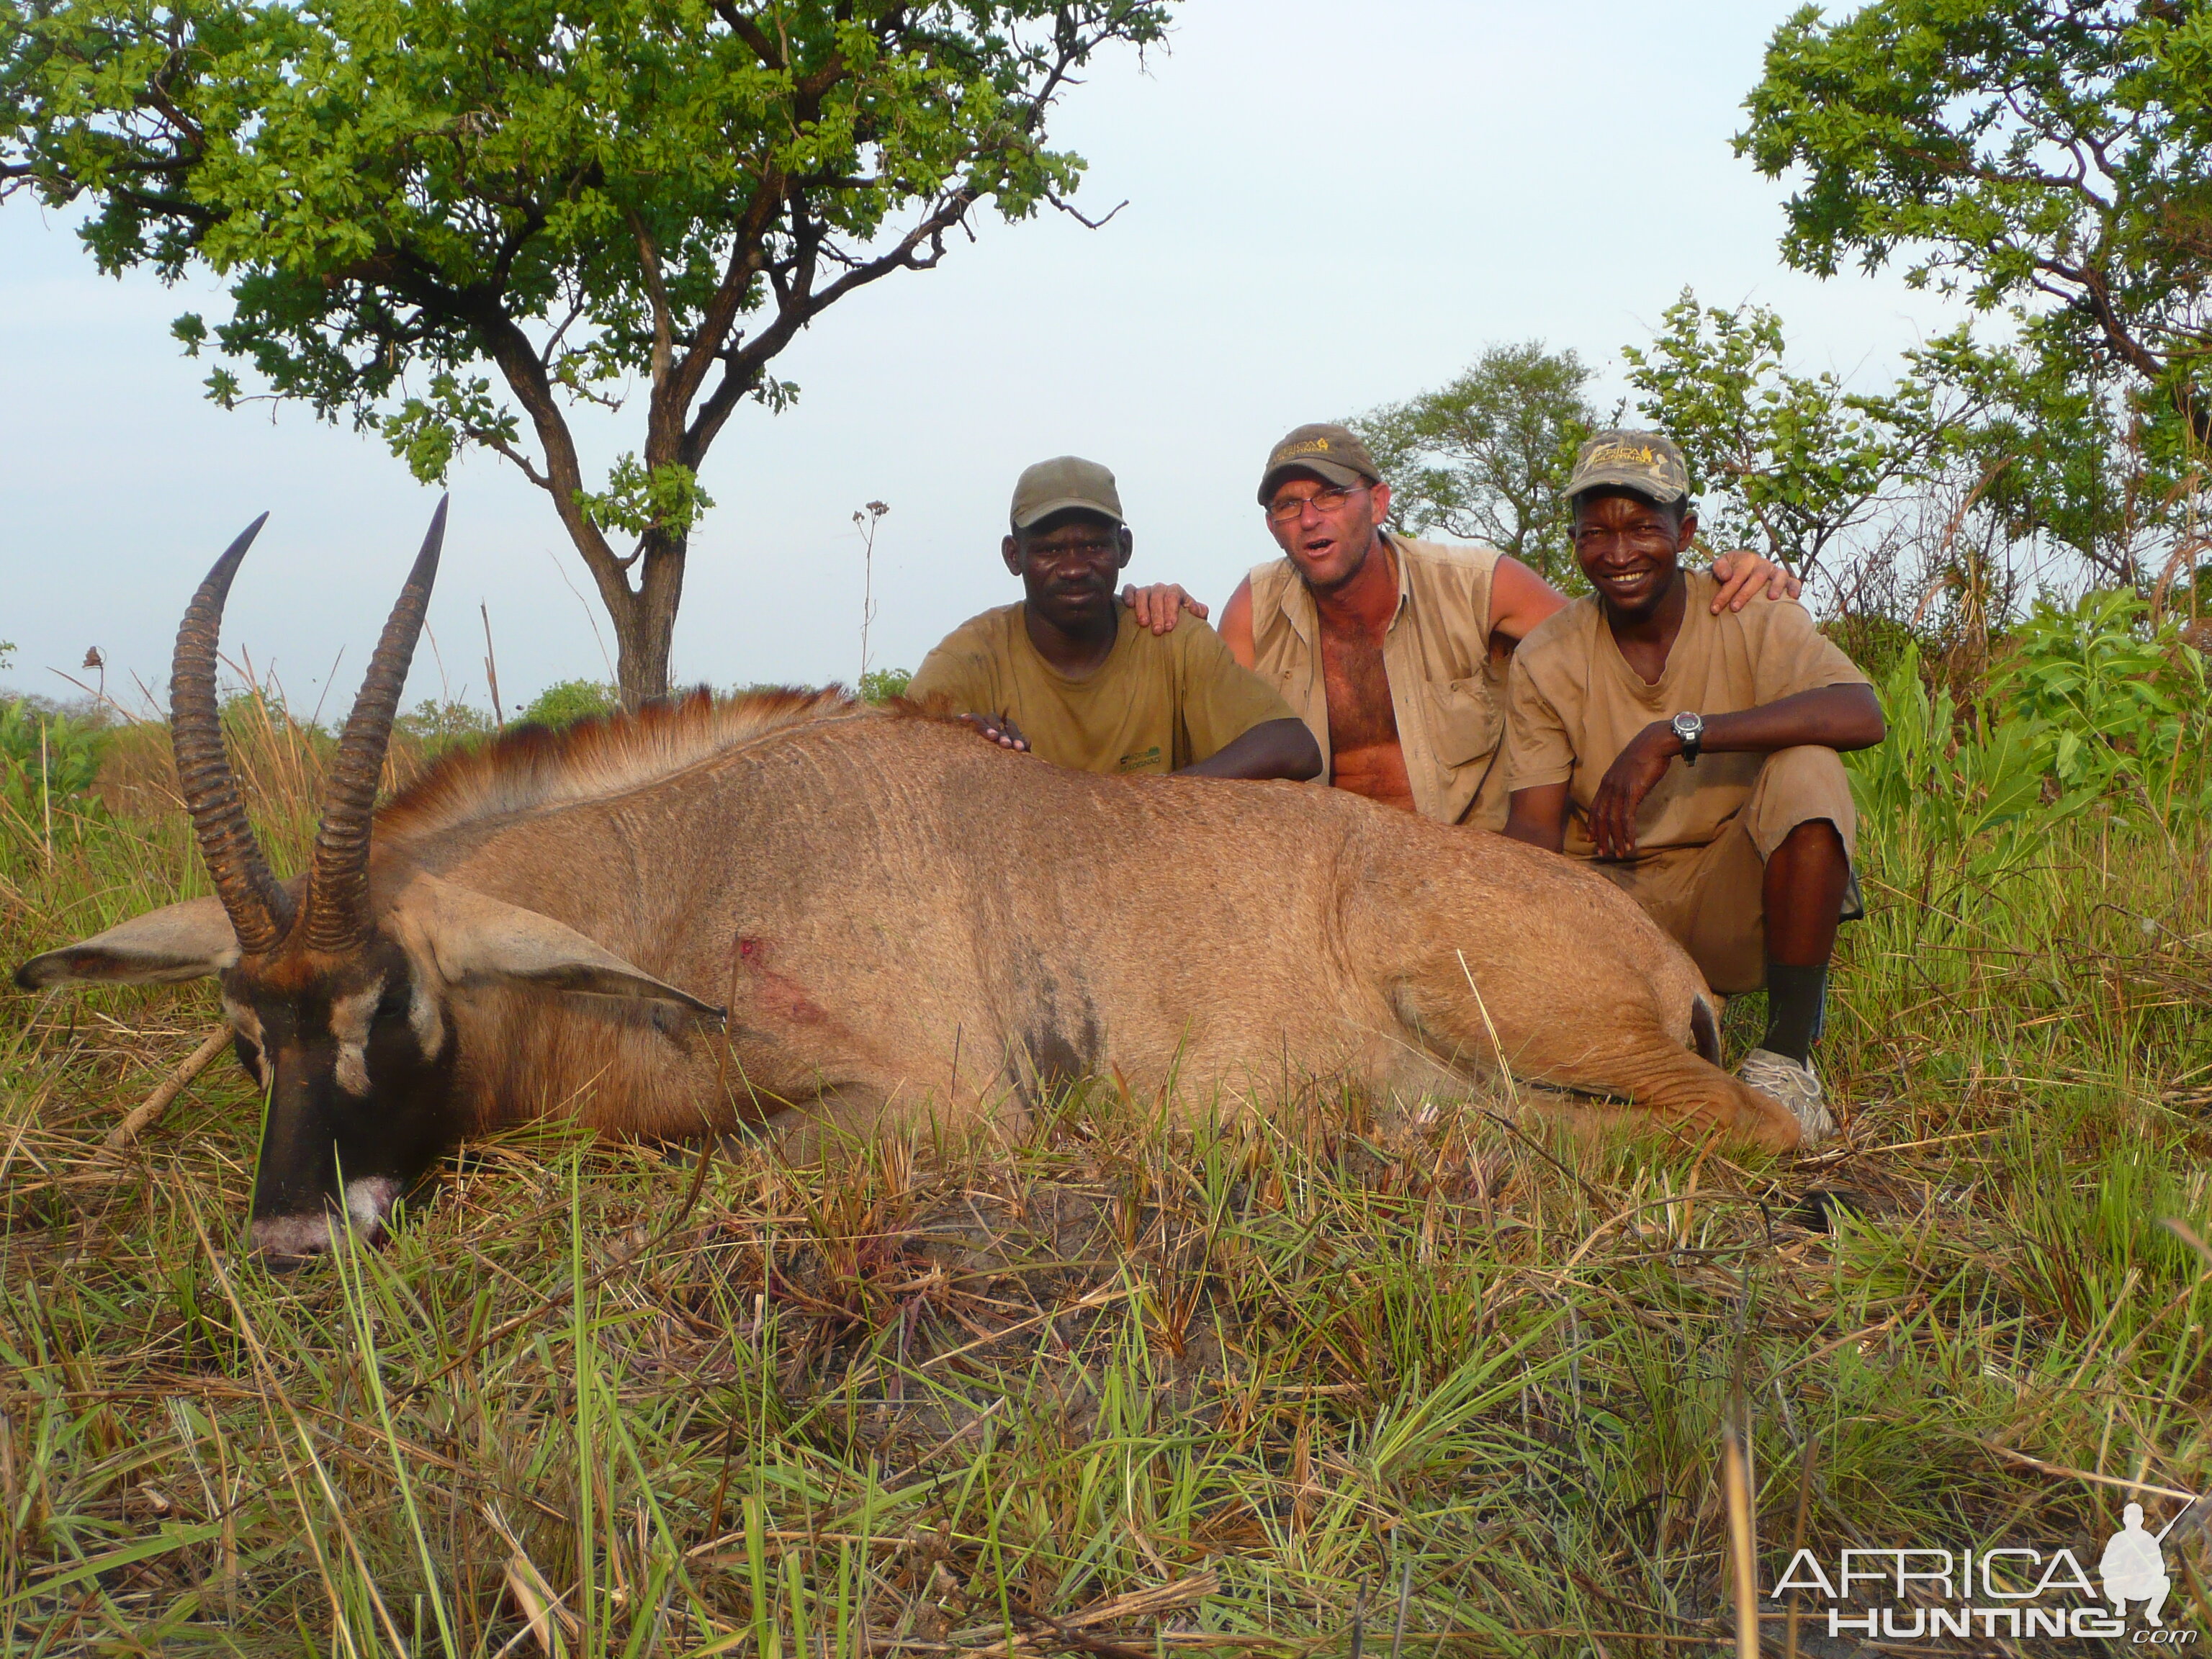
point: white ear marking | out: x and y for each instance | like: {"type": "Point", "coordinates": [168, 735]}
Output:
{"type": "Point", "coordinates": [424, 1020]}
{"type": "Point", "coordinates": [244, 1020]}
{"type": "Point", "coordinates": [350, 1019]}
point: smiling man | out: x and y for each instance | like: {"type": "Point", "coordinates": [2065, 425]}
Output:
{"type": "Point", "coordinates": [1693, 757]}
{"type": "Point", "coordinates": [1068, 675]}
{"type": "Point", "coordinates": [1392, 650]}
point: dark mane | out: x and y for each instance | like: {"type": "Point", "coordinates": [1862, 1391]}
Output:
{"type": "Point", "coordinates": [533, 767]}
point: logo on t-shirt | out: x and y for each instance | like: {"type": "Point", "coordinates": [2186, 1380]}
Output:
{"type": "Point", "coordinates": [1139, 759]}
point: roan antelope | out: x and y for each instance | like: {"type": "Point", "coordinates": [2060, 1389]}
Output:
{"type": "Point", "coordinates": [662, 923]}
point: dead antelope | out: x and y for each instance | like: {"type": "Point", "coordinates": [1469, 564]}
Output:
{"type": "Point", "coordinates": [665, 922]}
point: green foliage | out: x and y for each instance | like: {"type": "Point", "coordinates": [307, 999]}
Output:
{"type": "Point", "coordinates": [440, 725]}
{"type": "Point", "coordinates": [882, 684]}
{"type": "Point", "coordinates": [588, 198]}
{"type": "Point", "coordinates": [637, 499]}
{"type": "Point", "coordinates": [2090, 708]}
{"type": "Point", "coordinates": [48, 764]}
{"type": "Point", "coordinates": [1486, 456]}
{"type": "Point", "coordinates": [2126, 707]}
{"type": "Point", "coordinates": [1783, 462]}
{"type": "Point", "coordinates": [2056, 441]}
{"type": "Point", "coordinates": [565, 701]}
{"type": "Point", "coordinates": [2046, 156]}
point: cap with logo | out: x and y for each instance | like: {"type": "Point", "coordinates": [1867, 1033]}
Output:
{"type": "Point", "coordinates": [1325, 449]}
{"type": "Point", "coordinates": [1063, 483]}
{"type": "Point", "coordinates": [1648, 463]}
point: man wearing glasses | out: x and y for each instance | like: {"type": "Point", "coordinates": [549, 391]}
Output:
{"type": "Point", "coordinates": [1392, 651]}
{"type": "Point", "coordinates": [1693, 756]}
{"type": "Point", "coordinates": [1069, 675]}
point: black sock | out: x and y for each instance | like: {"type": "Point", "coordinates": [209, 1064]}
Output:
{"type": "Point", "coordinates": [1793, 1008]}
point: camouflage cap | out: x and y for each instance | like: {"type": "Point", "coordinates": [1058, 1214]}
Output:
{"type": "Point", "coordinates": [1324, 449]}
{"type": "Point", "coordinates": [1646, 462]}
{"type": "Point", "coordinates": [1063, 483]}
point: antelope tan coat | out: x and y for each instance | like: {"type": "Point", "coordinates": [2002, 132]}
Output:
{"type": "Point", "coordinates": [799, 908]}
{"type": "Point", "coordinates": [898, 917]}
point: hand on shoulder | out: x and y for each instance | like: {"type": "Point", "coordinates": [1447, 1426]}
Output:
{"type": "Point", "coordinates": [1740, 576]}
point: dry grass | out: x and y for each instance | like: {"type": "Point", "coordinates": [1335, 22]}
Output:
{"type": "Point", "coordinates": [1312, 1384]}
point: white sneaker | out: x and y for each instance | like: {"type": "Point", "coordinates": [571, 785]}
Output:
{"type": "Point", "coordinates": [1794, 1087]}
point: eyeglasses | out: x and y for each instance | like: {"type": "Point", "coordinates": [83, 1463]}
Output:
{"type": "Point", "coordinates": [1283, 508]}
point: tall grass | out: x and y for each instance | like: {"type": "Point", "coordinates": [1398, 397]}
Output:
{"type": "Point", "coordinates": [1435, 1381]}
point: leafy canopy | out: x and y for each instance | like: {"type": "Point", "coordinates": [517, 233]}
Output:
{"type": "Point", "coordinates": [589, 195]}
{"type": "Point", "coordinates": [2046, 155]}
{"type": "Point", "coordinates": [1785, 462]}
{"type": "Point", "coordinates": [1486, 456]}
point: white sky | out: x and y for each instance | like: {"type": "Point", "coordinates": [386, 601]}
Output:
{"type": "Point", "coordinates": [1330, 207]}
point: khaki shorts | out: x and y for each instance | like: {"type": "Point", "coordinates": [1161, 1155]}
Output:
{"type": "Point", "coordinates": [1712, 898]}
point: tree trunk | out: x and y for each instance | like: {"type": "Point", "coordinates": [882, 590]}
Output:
{"type": "Point", "coordinates": [644, 618]}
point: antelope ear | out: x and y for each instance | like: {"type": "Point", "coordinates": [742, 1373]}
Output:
{"type": "Point", "coordinates": [475, 939]}
{"type": "Point", "coordinates": [179, 942]}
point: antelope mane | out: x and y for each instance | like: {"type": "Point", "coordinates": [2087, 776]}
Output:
{"type": "Point", "coordinates": [533, 770]}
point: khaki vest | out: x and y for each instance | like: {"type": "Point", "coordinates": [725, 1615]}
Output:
{"type": "Point", "coordinates": [1448, 700]}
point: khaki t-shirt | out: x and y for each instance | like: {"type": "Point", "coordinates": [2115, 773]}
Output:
{"type": "Point", "coordinates": [1573, 704]}
{"type": "Point", "coordinates": [1157, 703]}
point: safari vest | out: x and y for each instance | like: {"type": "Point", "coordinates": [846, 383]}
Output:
{"type": "Point", "coordinates": [1437, 655]}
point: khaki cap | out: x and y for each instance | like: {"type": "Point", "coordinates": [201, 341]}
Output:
{"type": "Point", "coordinates": [1062, 483]}
{"type": "Point", "coordinates": [1648, 463]}
{"type": "Point", "coordinates": [1324, 449]}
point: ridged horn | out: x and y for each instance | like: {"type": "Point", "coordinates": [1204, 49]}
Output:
{"type": "Point", "coordinates": [337, 918]}
{"type": "Point", "coordinates": [259, 912]}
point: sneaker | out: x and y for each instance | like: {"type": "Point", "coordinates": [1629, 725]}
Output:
{"type": "Point", "coordinates": [1781, 1078]}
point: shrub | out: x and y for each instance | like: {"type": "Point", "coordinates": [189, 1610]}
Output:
{"type": "Point", "coordinates": [441, 725]}
{"type": "Point", "coordinates": [48, 762]}
{"type": "Point", "coordinates": [882, 684]}
{"type": "Point", "coordinates": [565, 701]}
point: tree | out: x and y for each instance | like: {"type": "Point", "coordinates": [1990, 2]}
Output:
{"type": "Point", "coordinates": [584, 195]}
{"type": "Point", "coordinates": [1486, 458]}
{"type": "Point", "coordinates": [1785, 462]}
{"type": "Point", "coordinates": [2047, 154]}
{"type": "Point", "coordinates": [2059, 444]}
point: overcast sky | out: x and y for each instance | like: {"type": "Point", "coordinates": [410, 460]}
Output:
{"type": "Point", "coordinates": [1329, 207]}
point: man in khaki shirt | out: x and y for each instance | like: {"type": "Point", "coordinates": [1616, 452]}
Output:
{"type": "Point", "coordinates": [1692, 757]}
{"type": "Point", "coordinates": [1392, 650]}
{"type": "Point", "coordinates": [1068, 675]}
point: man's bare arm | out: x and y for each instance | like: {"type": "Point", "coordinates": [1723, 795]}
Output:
{"type": "Point", "coordinates": [1838, 717]}
{"type": "Point", "coordinates": [1538, 816]}
{"type": "Point", "coordinates": [1235, 628]}
{"type": "Point", "coordinates": [1520, 598]}
{"type": "Point", "coordinates": [1273, 749]}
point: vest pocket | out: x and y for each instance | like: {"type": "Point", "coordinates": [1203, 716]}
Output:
{"type": "Point", "coordinates": [1464, 723]}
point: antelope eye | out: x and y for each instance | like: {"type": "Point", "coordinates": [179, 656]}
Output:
{"type": "Point", "coordinates": [395, 1003]}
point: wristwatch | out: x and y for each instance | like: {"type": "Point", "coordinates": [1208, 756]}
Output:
{"type": "Point", "coordinates": [1691, 729]}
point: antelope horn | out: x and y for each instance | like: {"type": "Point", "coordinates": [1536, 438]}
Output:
{"type": "Point", "coordinates": [259, 911]}
{"type": "Point", "coordinates": [337, 918]}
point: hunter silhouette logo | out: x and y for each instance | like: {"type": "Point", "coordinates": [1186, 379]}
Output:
{"type": "Point", "coordinates": [1928, 1593]}
{"type": "Point", "coordinates": [2133, 1567]}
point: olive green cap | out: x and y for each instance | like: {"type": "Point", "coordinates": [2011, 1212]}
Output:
{"type": "Point", "coordinates": [1063, 483]}
{"type": "Point", "coordinates": [1325, 449]}
{"type": "Point", "coordinates": [1646, 462]}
